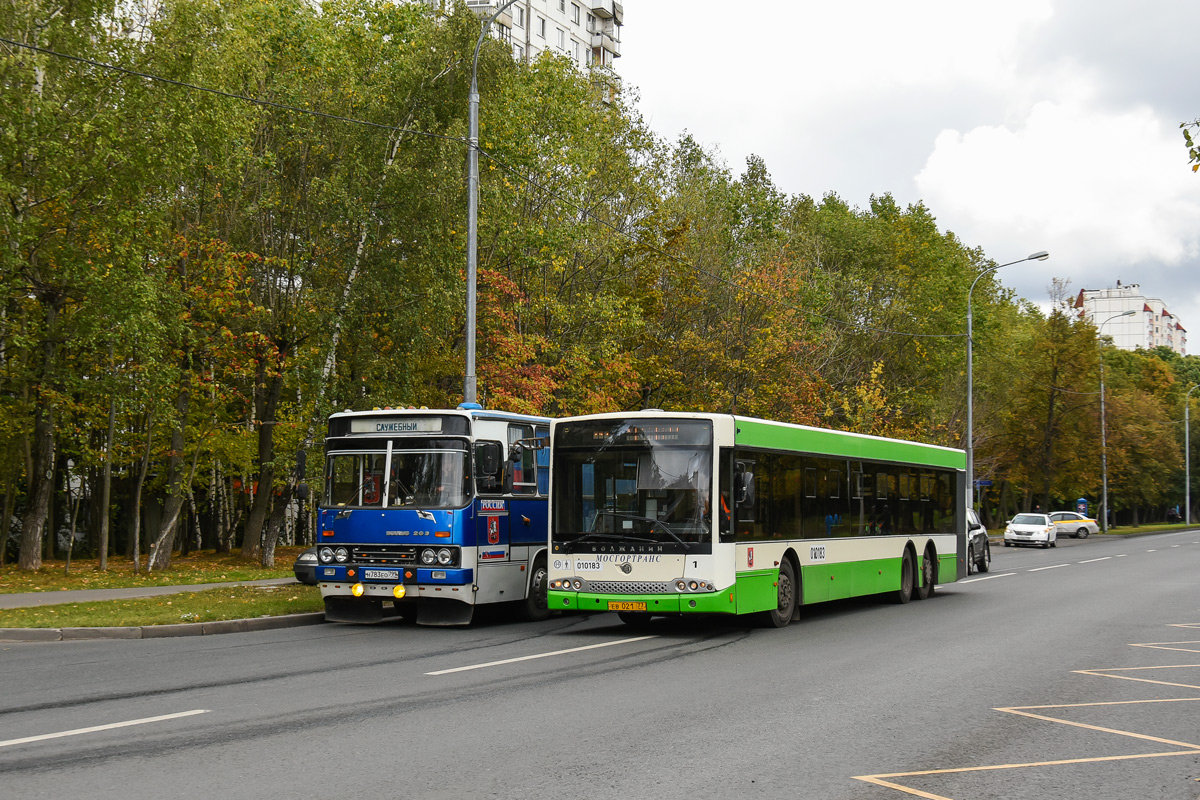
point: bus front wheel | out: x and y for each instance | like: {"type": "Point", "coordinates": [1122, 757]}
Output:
{"type": "Point", "coordinates": [785, 597]}
{"type": "Point", "coordinates": [536, 606]}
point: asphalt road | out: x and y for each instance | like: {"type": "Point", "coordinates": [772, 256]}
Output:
{"type": "Point", "coordinates": [1072, 672]}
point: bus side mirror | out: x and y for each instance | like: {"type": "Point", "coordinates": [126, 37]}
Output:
{"type": "Point", "coordinates": [739, 487]}
{"type": "Point", "coordinates": [487, 465]}
{"type": "Point", "coordinates": [302, 491]}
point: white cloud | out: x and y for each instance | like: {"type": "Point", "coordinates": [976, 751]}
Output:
{"type": "Point", "coordinates": [1025, 125]}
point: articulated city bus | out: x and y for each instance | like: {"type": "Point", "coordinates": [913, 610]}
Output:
{"type": "Point", "coordinates": [433, 512]}
{"type": "Point", "coordinates": [658, 513]}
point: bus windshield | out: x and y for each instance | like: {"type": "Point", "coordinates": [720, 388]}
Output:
{"type": "Point", "coordinates": [422, 479]}
{"type": "Point", "coordinates": [629, 483]}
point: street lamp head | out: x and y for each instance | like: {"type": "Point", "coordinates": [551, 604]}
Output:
{"type": "Point", "coordinates": [1040, 255]}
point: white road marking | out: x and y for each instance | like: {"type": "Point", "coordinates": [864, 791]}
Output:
{"type": "Point", "coordinates": [989, 577]}
{"type": "Point", "coordinates": [96, 728]}
{"type": "Point", "coordinates": [540, 655]}
{"type": "Point", "coordinates": [1055, 566]}
{"type": "Point", "coordinates": [1121, 555]}
{"type": "Point", "coordinates": [1094, 560]}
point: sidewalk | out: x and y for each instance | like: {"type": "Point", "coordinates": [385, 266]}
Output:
{"type": "Point", "coordinates": [32, 599]}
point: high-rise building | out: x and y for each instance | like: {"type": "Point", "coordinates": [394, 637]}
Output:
{"type": "Point", "coordinates": [1151, 325]}
{"type": "Point", "coordinates": [586, 31]}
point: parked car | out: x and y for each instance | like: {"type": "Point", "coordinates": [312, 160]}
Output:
{"type": "Point", "coordinates": [1077, 526]}
{"type": "Point", "coordinates": [979, 552]}
{"type": "Point", "coordinates": [306, 567]}
{"type": "Point", "coordinates": [1031, 529]}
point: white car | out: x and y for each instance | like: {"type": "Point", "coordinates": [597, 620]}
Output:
{"type": "Point", "coordinates": [1077, 526]}
{"type": "Point", "coordinates": [1031, 529]}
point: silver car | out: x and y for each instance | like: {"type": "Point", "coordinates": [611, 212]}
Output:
{"type": "Point", "coordinates": [1033, 529]}
{"type": "Point", "coordinates": [979, 552]}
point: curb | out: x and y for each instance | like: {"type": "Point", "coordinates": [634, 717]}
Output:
{"type": "Point", "coordinates": [161, 631]}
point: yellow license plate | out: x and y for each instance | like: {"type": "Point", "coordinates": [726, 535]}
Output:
{"type": "Point", "coordinates": [621, 605]}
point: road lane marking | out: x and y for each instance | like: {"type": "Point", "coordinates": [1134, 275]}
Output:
{"type": "Point", "coordinates": [1054, 566]}
{"type": "Point", "coordinates": [1094, 560]}
{"type": "Point", "coordinates": [989, 577]}
{"type": "Point", "coordinates": [1189, 748]}
{"type": "Point", "coordinates": [108, 727]}
{"type": "Point", "coordinates": [540, 655]}
{"type": "Point", "coordinates": [1122, 555]}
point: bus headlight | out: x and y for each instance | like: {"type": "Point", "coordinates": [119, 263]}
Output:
{"type": "Point", "coordinates": [444, 556]}
{"type": "Point", "coordinates": [429, 556]}
{"type": "Point", "coordinates": [341, 555]}
{"type": "Point", "coordinates": [325, 554]}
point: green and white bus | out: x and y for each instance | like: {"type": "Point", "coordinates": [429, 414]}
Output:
{"type": "Point", "coordinates": [660, 513]}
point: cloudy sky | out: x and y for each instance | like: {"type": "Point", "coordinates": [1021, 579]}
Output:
{"type": "Point", "coordinates": [1024, 125]}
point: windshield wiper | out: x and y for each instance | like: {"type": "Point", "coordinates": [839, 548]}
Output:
{"type": "Point", "coordinates": [654, 523]}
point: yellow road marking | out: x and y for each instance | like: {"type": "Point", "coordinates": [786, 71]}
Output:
{"type": "Point", "coordinates": [1025, 711]}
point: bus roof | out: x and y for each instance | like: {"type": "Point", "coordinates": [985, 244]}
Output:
{"type": "Point", "coordinates": [471, 413]}
{"type": "Point", "coordinates": [767, 434]}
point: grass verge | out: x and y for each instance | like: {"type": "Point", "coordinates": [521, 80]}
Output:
{"type": "Point", "coordinates": [198, 567]}
{"type": "Point", "coordinates": [212, 605]}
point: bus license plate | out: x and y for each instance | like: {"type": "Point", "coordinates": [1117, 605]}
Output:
{"type": "Point", "coordinates": [381, 574]}
{"type": "Point", "coordinates": [622, 605]}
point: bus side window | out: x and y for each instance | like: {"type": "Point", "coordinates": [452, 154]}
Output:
{"type": "Point", "coordinates": [744, 490]}
{"type": "Point", "coordinates": [489, 467]}
{"type": "Point", "coordinates": [521, 474]}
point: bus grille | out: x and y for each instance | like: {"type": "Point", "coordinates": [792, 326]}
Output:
{"type": "Point", "coordinates": [381, 554]}
{"type": "Point", "coordinates": [629, 587]}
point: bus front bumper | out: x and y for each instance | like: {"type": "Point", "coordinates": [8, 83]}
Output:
{"type": "Point", "coordinates": [724, 602]}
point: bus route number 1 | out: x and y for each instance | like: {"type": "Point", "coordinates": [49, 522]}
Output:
{"type": "Point", "coordinates": [816, 552]}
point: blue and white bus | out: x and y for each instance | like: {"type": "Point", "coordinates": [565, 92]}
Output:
{"type": "Point", "coordinates": [434, 512]}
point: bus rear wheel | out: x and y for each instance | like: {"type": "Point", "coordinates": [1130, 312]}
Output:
{"type": "Point", "coordinates": [785, 597]}
{"type": "Point", "coordinates": [907, 575]}
{"type": "Point", "coordinates": [928, 576]}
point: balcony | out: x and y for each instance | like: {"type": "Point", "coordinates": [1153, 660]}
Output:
{"type": "Point", "coordinates": [609, 9]}
{"type": "Point", "coordinates": [485, 8]}
{"type": "Point", "coordinates": [604, 41]}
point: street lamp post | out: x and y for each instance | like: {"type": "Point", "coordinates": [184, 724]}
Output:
{"type": "Point", "coordinates": [1103, 425]}
{"type": "Point", "coordinates": [1041, 255]}
{"type": "Point", "coordinates": [469, 381]}
{"type": "Point", "coordinates": [1187, 456]}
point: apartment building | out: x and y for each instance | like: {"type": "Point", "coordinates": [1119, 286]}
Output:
{"type": "Point", "coordinates": [1151, 325]}
{"type": "Point", "coordinates": [586, 31]}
